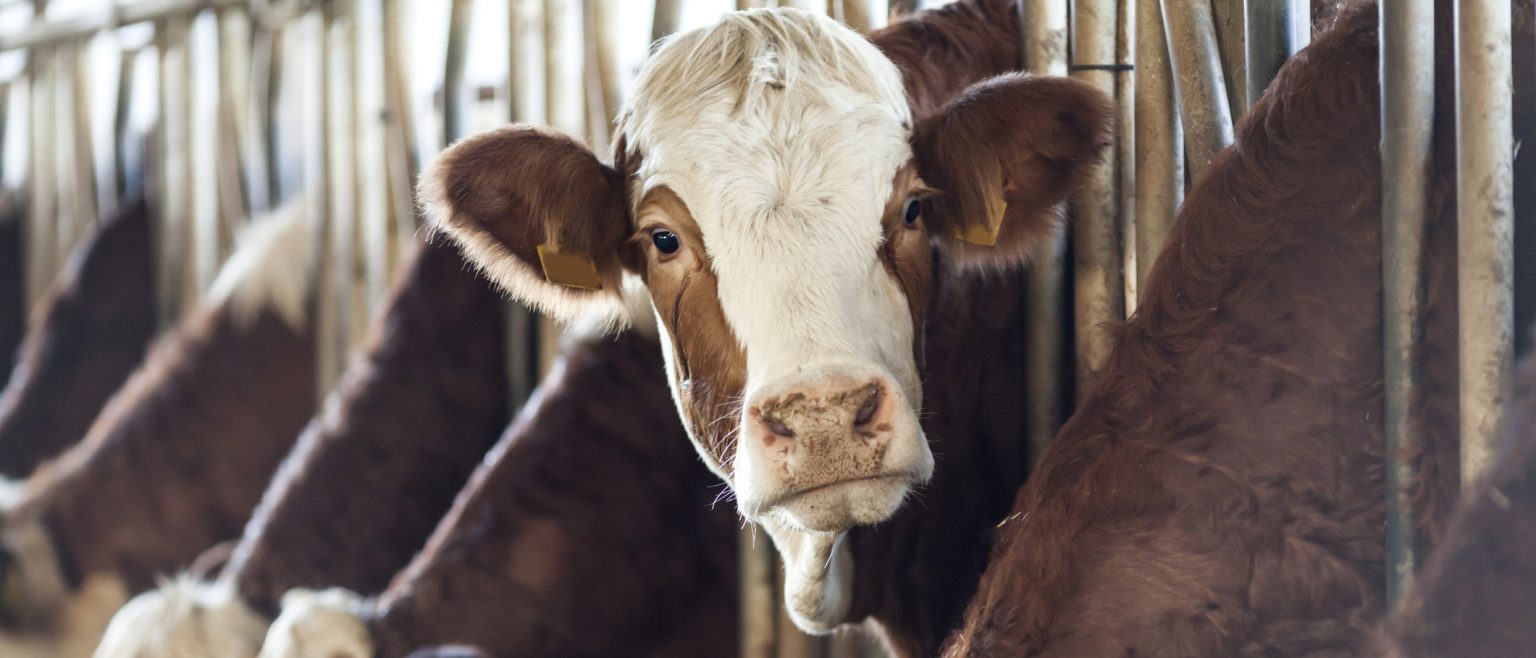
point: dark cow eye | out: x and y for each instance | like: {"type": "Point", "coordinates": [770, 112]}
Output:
{"type": "Point", "coordinates": [666, 241]}
{"type": "Point", "coordinates": [913, 210]}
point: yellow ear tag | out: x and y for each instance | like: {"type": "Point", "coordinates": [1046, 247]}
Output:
{"type": "Point", "coordinates": [984, 234]}
{"type": "Point", "coordinates": [572, 269]}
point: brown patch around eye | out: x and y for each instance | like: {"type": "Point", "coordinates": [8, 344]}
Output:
{"type": "Point", "coordinates": [906, 253]}
{"type": "Point", "coordinates": [709, 365]}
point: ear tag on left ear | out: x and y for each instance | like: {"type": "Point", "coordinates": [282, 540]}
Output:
{"type": "Point", "coordinates": [569, 268]}
{"type": "Point", "coordinates": [984, 235]}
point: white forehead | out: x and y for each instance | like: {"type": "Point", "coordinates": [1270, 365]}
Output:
{"type": "Point", "coordinates": [769, 115]}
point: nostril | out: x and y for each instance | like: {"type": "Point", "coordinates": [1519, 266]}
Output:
{"type": "Point", "coordinates": [870, 406]}
{"type": "Point", "coordinates": [779, 428]}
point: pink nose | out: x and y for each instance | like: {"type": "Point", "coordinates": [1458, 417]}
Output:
{"type": "Point", "coordinates": [815, 420]}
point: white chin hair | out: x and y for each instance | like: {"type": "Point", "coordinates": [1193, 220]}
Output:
{"type": "Point", "coordinates": [184, 618]}
{"type": "Point", "coordinates": [841, 506]}
{"type": "Point", "coordinates": [319, 624]}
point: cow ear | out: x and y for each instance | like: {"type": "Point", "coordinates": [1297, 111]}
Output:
{"type": "Point", "coordinates": [540, 215]}
{"type": "Point", "coordinates": [1003, 156]}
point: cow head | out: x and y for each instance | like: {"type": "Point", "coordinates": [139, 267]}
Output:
{"type": "Point", "coordinates": [774, 205]}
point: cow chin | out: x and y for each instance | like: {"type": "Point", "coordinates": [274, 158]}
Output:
{"type": "Point", "coordinates": [838, 506]}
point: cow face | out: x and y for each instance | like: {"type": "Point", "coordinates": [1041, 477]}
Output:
{"type": "Point", "coordinates": [774, 205]}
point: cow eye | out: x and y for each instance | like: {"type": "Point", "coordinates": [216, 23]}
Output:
{"type": "Point", "coordinates": [666, 241]}
{"type": "Point", "coordinates": [913, 210]}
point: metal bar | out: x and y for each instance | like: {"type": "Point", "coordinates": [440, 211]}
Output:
{"type": "Point", "coordinates": [330, 331]}
{"type": "Point", "coordinates": [1270, 42]}
{"type": "Point", "coordinates": [173, 216]}
{"type": "Point", "coordinates": [1125, 132]}
{"type": "Point", "coordinates": [1043, 33]}
{"type": "Point", "coordinates": [234, 47]}
{"type": "Point", "coordinates": [664, 18]}
{"type": "Point", "coordinates": [520, 324]}
{"type": "Point", "coordinates": [83, 156]}
{"type": "Point", "coordinates": [453, 70]}
{"type": "Point", "coordinates": [53, 32]}
{"type": "Point", "coordinates": [1227, 15]}
{"type": "Point", "coordinates": [1407, 126]}
{"type": "Point", "coordinates": [759, 600]}
{"type": "Point", "coordinates": [122, 111]}
{"type": "Point", "coordinates": [1485, 224]}
{"type": "Point", "coordinates": [202, 165]}
{"type": "Point", "coordinates": [42, 194]}
{"type": "Point", "coordinates": [1203, 109]}
{"type": "Point", "coordinates": [1159, 141]}
{"type": "Point", "coordinates": [598, 77]}
{"type": "Point", "coordinates": [1098, 295]}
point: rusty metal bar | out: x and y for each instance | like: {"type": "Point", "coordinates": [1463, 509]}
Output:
{"type": "Point", "coordinates": [1043, 33]}
{"type": "Point", "coordinates": [1271, 41]}
{"type": "Point", "coordinates": [1407, 125]}
{"type": "Point", "coordinates": [1159, 140]}
{"type": "Point", "coordinates": [1485, 224]}
{"type": "Point", "coordinates": [1098, 296]}
{"type": "Point", "coordinates": [1203, 108]}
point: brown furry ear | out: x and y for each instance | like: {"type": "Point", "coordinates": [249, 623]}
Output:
{"type": "Point", "coordinates": [1003, 155]}
{"type": "Point", "coordinates": [539, 214]}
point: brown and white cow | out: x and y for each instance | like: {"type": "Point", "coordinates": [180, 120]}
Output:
{"type": "Point", "coordinates": [1219, 491]}
{"type": "Point", "coordinates": [590, 530]}
{"type": "Point", "coordinates": [780, 190]}
{"type": "Point", "coordinates": [369, 478]}
{"type": "Point", "coordinates": [180, 455]}
{"type": "Point", "coordinates": [88, 334]}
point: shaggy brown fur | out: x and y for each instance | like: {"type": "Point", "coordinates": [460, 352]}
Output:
{"type": "Point", "coordinates": [179, 457]}
{"type": "Point", "coordinates": [374, 473]}
{"type": "Point", "coordinates": [588, 531]}
{"type": "Point", "coordinates": [13, 289]}
{"type": "Point", "coordinates": [86, 337]}
{"type": "Point", "coordinates": [1218, 492]}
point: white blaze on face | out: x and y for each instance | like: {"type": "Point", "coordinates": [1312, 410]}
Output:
{"type": "Point", "coordinates": [782, 132]}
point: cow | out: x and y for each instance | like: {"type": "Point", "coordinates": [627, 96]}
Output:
{"type": "Point", "coordinates": [1219, 491]}
{"type": "Point", "coordinates": [786, 199]}
{"type": "Point", "coordinates": [590, 530]}
{"type": "Point", "coordinates": [13, 289]}
{"type": "Point", "coordinates": [178, 458]}
{"type": "Point", "coordinates": [89, 332]}
{"type": "Point", "coordinates": [1476, 594]}
{"type": "Point", "coordinates": [369, 478]}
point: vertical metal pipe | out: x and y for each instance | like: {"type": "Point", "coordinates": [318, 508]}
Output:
{"type": "Point", "coordinates": [600, 80]}
{"type": "Point", "coordinates": [1485, 223]}
{"type": "Point", "coordinates": [1407, 121]}
{"type": "Point", "coordinates": [1159, 141]}
{"type": "Point", "coordinates": [664, 18]}
{"type": "Point", "coordinates": [1270, 42]}
{"type": "Point", "coordinates": [521, 324]}
{"type": "Point", "coordinates": [330, 327]}
{"type": "Point", "coordinates": [1125, 157]}
{"type": "Point", "coordinates": [759, 601]}
{"type": "Point", "coordinates": [1098, 295]}
{"type": "Point", "coordinates": [453, 70]}
{"type": "Point", "coordinates": [1043, 33]}
{"type": "Point", "coordinates": [1203, 109]}
{"type": "Point", "coordinates": [234, 50]}
{"type": "Point", "coordinates": [42, 193]}
{"type": "Point", "coordinates": [82, 157]}
{"type": "Point", "coordinates": [122, 114]}
{"type": "Point", "coordinates": [1227, 15]}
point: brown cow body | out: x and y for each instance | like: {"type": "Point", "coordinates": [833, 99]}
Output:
{"type": "Point", "coordinates": [1219, 491]}
{"type": "Point", "coordinates": [180, 456]}
{"type": "Point", "coordinates": [369, 478]}
{"type": "Point", "coordinates": [89, 333]}
{"type": "Point", "coordinates": [588, 531]}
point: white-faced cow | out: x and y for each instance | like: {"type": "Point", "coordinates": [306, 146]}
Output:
{"type": "Point", "coordinates": [1218, 492]}
{"type": "Point", "coordinates": [369, 478]}
{"type": "Point", "coordinates": [179, 456]}
{"type": "Point", "coordinates": [785, 195]}
{"type": "Point", "coordinates": [90, 331]}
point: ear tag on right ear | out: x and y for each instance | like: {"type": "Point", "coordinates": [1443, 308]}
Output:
{"type": "Point", "coordinates": [984, 235]}
{"type": "Point", "coordinates": [569, 268]}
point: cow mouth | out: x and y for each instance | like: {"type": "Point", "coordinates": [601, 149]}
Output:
{"type": "Point", "coordinates": [842, 504]}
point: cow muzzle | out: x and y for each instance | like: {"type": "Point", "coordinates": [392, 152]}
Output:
{"type": "Point", "coordinates": [829, 448]}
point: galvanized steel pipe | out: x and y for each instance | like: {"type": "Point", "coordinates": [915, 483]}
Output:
{"type": "Point", "coordinates": [1159, 140]}
{"type": "Point", "coordinates": [1407, 125]}
{"type": "Point", "coordinates": [1203, 108]}
{"type": "Point", "coordinates": [1485, 224]}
